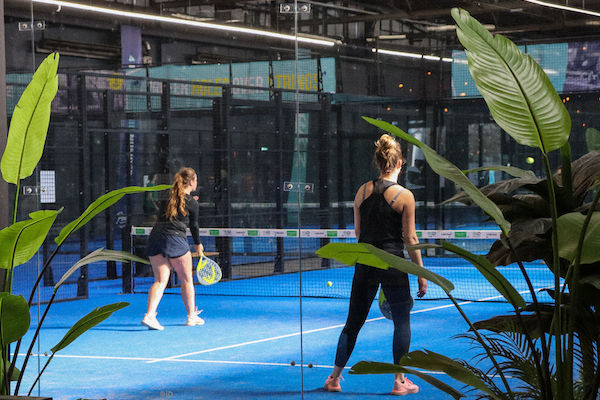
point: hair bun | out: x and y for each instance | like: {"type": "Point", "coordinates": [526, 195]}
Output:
{"type": "Point", "coordinates": [387, 153]}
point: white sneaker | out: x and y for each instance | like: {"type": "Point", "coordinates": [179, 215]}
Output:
{"type": "Point", "coordinates": [152, 323]}
{"type": "Point", "coordinates": [194, 319]}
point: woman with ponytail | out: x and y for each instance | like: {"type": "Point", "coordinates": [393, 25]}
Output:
{"type": "Point", "coordinates": [168, 248]}
{"type": "Point", "coordinates": [384, 216]}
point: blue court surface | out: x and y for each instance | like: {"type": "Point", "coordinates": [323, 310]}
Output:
{"type": "Point", "coordinates": [244, 351]}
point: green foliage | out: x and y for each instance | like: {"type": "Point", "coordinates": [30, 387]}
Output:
{"type": "Point", "coordinates": [14, 317]}
{"type": "Point", "coordinates": [570, 226]}
{"type": "Point", "coordinates": [518, 93]}
{"type": "Point", "coordinates": [592, 138]}
{"type": "Point", "coordinates": [86, 323]}
{"type": "Point", "coordinates": [513, 171]}
{"type": "Point", "coordinates": [21, 240]}
{"type": "Point", "coordinates": [101, 204]}
{"type": "Point", "coordinates": [549, 350]}
{"type": "Point", "coordinates": [29, 123]}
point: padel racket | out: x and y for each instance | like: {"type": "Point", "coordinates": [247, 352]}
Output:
{"type": "Point", "coordinates": [208, 271]}
{"type": "Point", "coordinates": [384, 305]}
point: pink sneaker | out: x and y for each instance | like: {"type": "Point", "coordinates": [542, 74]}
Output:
{"type": "Point", "coordinates": [333, 384]}
{"type": "Point", "coordinates": [403, 388]}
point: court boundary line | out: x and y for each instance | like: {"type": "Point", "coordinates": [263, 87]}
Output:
{"type": "Point", "coordinates": [232, 346]}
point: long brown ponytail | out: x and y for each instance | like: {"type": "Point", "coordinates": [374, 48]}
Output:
{"type": "Point", "coordinates": [177, 196]}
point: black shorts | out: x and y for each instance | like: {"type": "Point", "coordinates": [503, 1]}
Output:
{"type": "Point", "coordinates": [170, 246]}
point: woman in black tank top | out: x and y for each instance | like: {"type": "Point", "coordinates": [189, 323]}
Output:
{"type": "Point", "coordinates": [384, 216]}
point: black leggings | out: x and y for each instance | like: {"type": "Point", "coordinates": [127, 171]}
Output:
{"type": "Point", "coordinates": [365, 283]}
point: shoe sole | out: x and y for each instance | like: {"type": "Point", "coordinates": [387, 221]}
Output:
{"type": "Point", "coordinates": [152, 327]}
{"type": "Point", "coordinates": [405, 393]}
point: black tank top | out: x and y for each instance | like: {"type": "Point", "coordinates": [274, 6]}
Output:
{"type": "Point", "coordinates": [380, 224]}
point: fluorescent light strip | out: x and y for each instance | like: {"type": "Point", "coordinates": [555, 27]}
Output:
{"type": "Point", "coordinates": [410, 55]}
{"type": "Point", "coordinates": [566, 8]}
{"type": "Point", "coordinates": [199, 24]}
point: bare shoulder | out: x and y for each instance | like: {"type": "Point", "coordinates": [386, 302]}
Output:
{"type": "Point", "coordinates": [363, 192]}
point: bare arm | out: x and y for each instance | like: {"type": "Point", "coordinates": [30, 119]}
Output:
{"type": "Point", "coordinates": [406, 206]}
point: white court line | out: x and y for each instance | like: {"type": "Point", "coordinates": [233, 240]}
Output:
{"type": "Point", "coordinates": [298, 333]}
{"type": "Point", "coordinates": [309, 331]}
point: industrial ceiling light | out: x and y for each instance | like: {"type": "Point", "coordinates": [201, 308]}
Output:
{"type": "Point", "coordinates": [410, 55]}
{"type": "Point", "coordinates": [321, 41]}
{"type": "Point", "coordinates": [566, 8]}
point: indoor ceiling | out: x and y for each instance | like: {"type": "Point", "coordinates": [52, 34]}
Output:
{"type": "Point", "coordinates": [396, 23]}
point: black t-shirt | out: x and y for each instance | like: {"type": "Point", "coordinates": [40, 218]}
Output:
{"type": "Point", "coordinates": [178, 225]}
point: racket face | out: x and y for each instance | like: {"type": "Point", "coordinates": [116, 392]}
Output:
{"type": "Point", "coordinates": [208, 271]}
{"type": "Point", "coordinates": [384, 306]}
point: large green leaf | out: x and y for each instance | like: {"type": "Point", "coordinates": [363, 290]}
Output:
{"type": "Point", "coordinates": [29, 123]}
{"type": "Point", "coordinates": [363, 253]}
{"type": "Point", "coordinates": [350, 254]}
{"type": "Point", "coordinates": [403, 265]}
{"type": "Point", "coordinates": [15, 373]}
{"type": "Point", "coordinates": [431, 361]}
{"type": "Point", "coordinates": [448, 170]}
{"type": "Point", "coordinates": [511, 324]}
{"type": "Point", "coordinates": [592, 138]}
{"type": "Point", "coordinates": [372, 367]}
{"type": "Point", "coordinates": [569, 230]}
{"type": "Point", "coordinates": [86, 323]}
{"type": "Point", "coordinates": [14, 317]}
{"type": "Point", "coordinates": [519, 94]}
{"type": "Point", "coordinates": [20, 241]}
{"type": "Point", "coordinates": [100, 255]}
{"type": "Point", "coordinates": [101, 204]}
{"type": "Point", "coordinates": [490, 273]}
{"type": "Point", "coordinates": [513, 171]}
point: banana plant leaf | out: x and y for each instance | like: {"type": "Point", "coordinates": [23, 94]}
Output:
{"type": "Point", "coordinates": [371, 367]}
{"type": "Point", "coordinates": [489, 272]}
{"type": "Point", "coordinates": [29, 123]}
{"type": "Point", "coordinates": [431, 361]}
{"type": "Point", "coordinates": [585, 171]}
{"type": "Point", "coordinates": [101, 204]}
{"type": "Point", "coordinates": [511, 324]}
{"type": "Point", "coordinates": [100, 255]}
{"type": "Point", "coordinates": [86, 323]}
{"type": "Point", "coordinates": [507, 186]}
{"type": "Point", "coordinates": [445, 168]}
{"type": "Point", "coordinates": [592, 138]}
{"type": "Point", "coordinates": [21, 241]}
{"type": "Point", "coordinates": [513, 171]}
{"type": "Point", "coordinates": [569, 230]}
{"type": "Point", "coordinates": [518, 92]}
{"type": "Point", "coordinates": [14, 317]}
{"type": "Point", "coordinates": [363, 253]}
{"type": "Point", "coordinates": [15, 374]}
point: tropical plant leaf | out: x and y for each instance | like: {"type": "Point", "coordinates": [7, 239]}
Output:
{"type": "Point", "coordinates": [432, 361]}
{"type": "Point", "coordinates": [86, 323]}
{"type": "Point", "coordinates": [445, 168]}
{"type": "Point", "coordinates": [15, 373]}
{"type": "Point", "coordinates": [490, 273]}
{"type": "Point", "coordinates": [592, 138]}
{"type": "Point", "coordinates": [403, 265]}
{"type": "Point", "coordinates": [585, 170]}
{"type": "Point", "coordinates": [506, 187]}
{"type": "Point", "coordinates": [100, 255]}
{"type": "Point", "coordinates": [21, 241]}
{"type": "Point", "coordinates": [29, 123]}
{"type": "Point", "coordinates": [101, 204]}
{"type": "Point", "coordinates": [569, 230]}
{"type": "Point", "coordinates": [513, 171]}
{"type": "Point", "coordinates": [14, 317]}
{"type": "Point", "coordinates": [371, 367]}
{"type": "Point", "coordinates": [511, 324]}
{"type": "Point", "coordinates": [566, 173]}
{"type": "Point", "coordinates": [518, 92]}
{"type": "Point", "coordinates": [350, 254]}
{"type": "Point", "coordinates": [363, 253]}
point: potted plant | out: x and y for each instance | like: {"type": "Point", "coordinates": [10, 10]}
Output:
{"type": "Point", "coordinates": [22, 239]}
{"type": "Point", "coordinates": [550, 350]}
